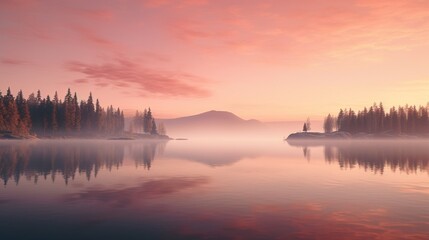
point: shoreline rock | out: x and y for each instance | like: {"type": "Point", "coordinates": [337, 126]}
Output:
{"type": "Point", "coordinates": [298, 136]}
{"type": "Point", "coordinates": [319, 136]}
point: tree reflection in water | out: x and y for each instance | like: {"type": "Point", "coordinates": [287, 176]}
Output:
{"type": "Point", "coordinates": [66, 158]}
{"type": "Point", "coordinates": [406, 156]}
{"type": "Point", "coordinates": [144, 153]}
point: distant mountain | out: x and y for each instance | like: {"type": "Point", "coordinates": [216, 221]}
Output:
{"type": "Point", "coordinates": [222, 119]}
{"type": "Point", "coordinates": [211, 123]}
{"type": "Point", "coordinates": [223, 124]}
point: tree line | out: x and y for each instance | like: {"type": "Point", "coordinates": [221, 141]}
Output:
{"type": "Point", "coordinates": [46, 116]}
{"type": "Point", "coordinates": [145, 123]}
{"type": "Point", "coordinates": [410, 120]}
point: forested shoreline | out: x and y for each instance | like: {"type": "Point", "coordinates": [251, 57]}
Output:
{"type": "Point", "coordinates": [56, 117]}
{"type": "Point", "coordinates": [46, 117]}
{"type": "Point", "coordinates": [403, 120]}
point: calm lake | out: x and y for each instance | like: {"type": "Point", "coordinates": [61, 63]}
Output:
{"type": "Point", "coordinates": [70, 189]}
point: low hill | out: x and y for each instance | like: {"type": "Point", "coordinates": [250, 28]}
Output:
{"type": "Point", "coordinates": [223, 124]}
{"type": "Point", "coordinates": [212, 118]}
{"type": "Point", "coordinates": [211, 123]}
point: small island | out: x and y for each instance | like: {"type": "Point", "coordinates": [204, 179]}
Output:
{"type": "Point", "coordinates": [318, 136]}
{"type": "Point", "coordinates": [409, 122]}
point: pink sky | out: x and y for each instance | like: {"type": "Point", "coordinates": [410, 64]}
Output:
{"type": "Point", "coordinates": [269, 60]}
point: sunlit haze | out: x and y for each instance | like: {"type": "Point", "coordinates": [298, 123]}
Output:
{"type": "Point", "coordinates": [266, 60]}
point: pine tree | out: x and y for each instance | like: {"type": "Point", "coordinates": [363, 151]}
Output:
{"type": "Point", "coordinates": [161, 129]}
{"type": "Point", "coordinates": [424, 121]}
{"type": "Point", "coordinates": [70, 113]}
{"type": "Point", "coordinates": [328, 124]}
{"type": "Point", "coordinates": [2, 114]}
{"type": "Point", "coordinates": [118, 121]}
{"type": "Point", "coordinates": [403, 120]}
{"type": "Point", "coordinates": [148, 121]}
{"type": "Point", "coordinates": [56, 113]}
{"type": "Point", "coordinates": [381, 118]}
{"type": "Point", "coordinates": [34, 111]}
{"type": "Point", "coordinates": [308, 124]}
{"type": "Point", "coordinates": [89, 113]}
{"type": "Point", "coordinates": [24, 114]}
{"type": "Point", "coordinates": [50, 115]}
{"type": "Point", "coordinates": [99, 119]}
{"type": "Point", "coordinates": [153, 131]}
{"type": "Point", "coordinates": [56, 99]}
{"type": "Point", "coordinates": [77, 115]}
{"type": "Point", "coordinates": [145, 121]}
{"type": "Point", "coordinates": [121, 122]}
{"type": "Point", "coordinates": [44, 113]}
{"type": "Point", "coordinates": [39, 97]}
{"type": "Point", "coordinates": [11, 110]}
{"type": "Point", "coordinates": [340, 120]}
{"type": "Point", "coordinates": [138, 122]}
{"type": "Point", "coordinates": [109, 120]}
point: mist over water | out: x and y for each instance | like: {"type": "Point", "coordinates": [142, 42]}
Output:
{"type": "Point", "coordinates": [265, 131]}
{"type": "Point", "coordinates": [214, 189]}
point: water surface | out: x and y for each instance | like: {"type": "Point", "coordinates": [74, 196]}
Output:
{"type": "Point", "coordinates": [68, 189]}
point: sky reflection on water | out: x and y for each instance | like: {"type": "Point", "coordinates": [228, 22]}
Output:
{"type": "Point", "coordinates": [214, 190]}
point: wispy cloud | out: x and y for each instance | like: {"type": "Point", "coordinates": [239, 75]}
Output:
{"type": "Point", "coordinates": [93, 37]}
{"type": "Point", "coordinates": [307, 29]}
{"type": "Point", "coordinates": [81, 80]}
{"type": "Point", "coordinates": [13, 61]}
{"type": "Point", "coordinates": [124, 73]}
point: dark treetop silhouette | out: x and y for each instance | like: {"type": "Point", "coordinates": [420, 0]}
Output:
{"type": "Point", "coordinates": [46, 117]}
{"type": "Point", "coordinates": [408, 120]}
